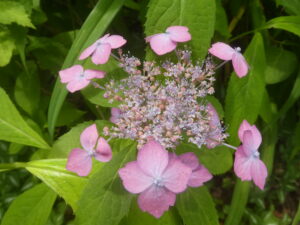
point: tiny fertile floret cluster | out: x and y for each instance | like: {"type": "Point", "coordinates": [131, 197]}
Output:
{"type": "Point", "coordinates": [159, 106]}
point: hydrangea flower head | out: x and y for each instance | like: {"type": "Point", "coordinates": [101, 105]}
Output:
{"type": "Point", "coordinates": [156, 177]}
{"type": "Point", "coordinates": [77, 78]}
{"type": "Point", "coordinates": [163, 43]}
{"type": "Point", "coordinates": [225, 52]}
{"type": "Point", "coordinates": [115, 115]}
{"type": "Point", "coordinates": [247, 164]}
{"type": "Point", "coordinates": [101, 49]}
{"type": "Point", "coordinates": [80, 160]}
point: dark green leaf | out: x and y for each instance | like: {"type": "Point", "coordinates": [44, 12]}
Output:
{"type": "Point", "coordinates": [196, 207]}
{"type": "Point", "coordinates": [244, 95]}
{"type": "Point", "coordinates": [31, 208]}
{"type": "Point", "coordinates": [7, 45]}
{"type": "Point", "coordinates": [221, 25]}
{"type": "Point", "coordinates": [197, 15]}
{"type": "Point", "coordinates": [291, 6]}
{"type": "Point", "coordinates": [104, 200]}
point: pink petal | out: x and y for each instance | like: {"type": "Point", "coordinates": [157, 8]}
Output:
{"type": "Point", "coordinates": [88, 137]}
{"type": "Point", "coordinates": [91, 74]}
{"type": "Point", "coordinates": [103, 151]}
{"type": "Point", "coordinates": [222, 51]}
{"type": "Point", "coordinates": [70, 73]}
{"type": "Point", "coordinates": [101, 54]}
{"type": "Point", "coordinates": [162, 44]}
{"type": "Point", "coordinates": [152, 158]}
{"type": "Point", "coordinates": [76, 85]}
{"type": "Point", "coordinates": [179, 33]}
{"type": "Point", "coordinates": [103, 38]}
{"type": "Point", "coordinates": [190, 160]}
{"type": "Point", "coordinates": [88, 51]}
{"type": "Point", "coordinates": [199, 176]}
{"type": "Point", "coordinates": [79, 162]}
{"type": "Point", "coordinates": [259, 173]}
{"type": "Point", "coordinates": [156, 200]}
{"type": "Point", "coordinates": [115, 41]}
{"type": "Point", "coordinates": [240, 64]}
{"type": "Point", "coordinates": [148, 39]}
{"type": "Point", "coordinates": [242, 164]}
{"type": "Point", "coordinates": [115, 115]}
{"type": "Point", "coordinates": [248, 143]}
{"type": "Point", "coordinates": [255, 133]}
{"type": "Point", "coordinates": [176, 175]}
{"type": "Point", "coordinates": [134, 179]}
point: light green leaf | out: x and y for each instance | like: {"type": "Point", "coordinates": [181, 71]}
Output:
{"type": "Point", "coordinates": [12, 126]}
{"type": "Point", "coordinates": [280, 64]}
{"type": "Point", "coordinates": [291, 6]}
{"type": "Point", "coordinates": [244, 95]}
{"type": "Point", "coordinates": [33, 207]}
{"type": "Point", "coordinates": [288, 23]}
{"type": "Point", "coordinates": [53, 173]}
{"type": "Point", "coordinates": [104, 200]}
{"type": "Point", "coordinates": [14, 12]}
{"type": "Point", "coordinates": [94, 26]}
{"type": "Point", "coordinates": [196, 207]}
{"type": "Point", "coordinates": [136, 216]}
{"type": "Point", "coordinates": [7, 45]}
{"type": "Point", "coordinates": [197, 15]}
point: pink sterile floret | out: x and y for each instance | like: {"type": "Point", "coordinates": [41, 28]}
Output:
{"type": "Point", "coordinates": [163, 43]}
{"type": "Point", "coordinates": [77, 78]}
{"type": "Point", "coordinates": [247, 164]}
{"type": "Point", "coordinates": [101, 49]}
{"type": "Point", "coordinates": [225, 52]}
{"type": "Point", "coordinates": [199, 174]}
{"type": "Point", "coordinates": [80, 160]}
{"type": "Point", "coordinates": [115, 115]}
{"type": "Point", "coordinates": [215, 134]}
{"type": "Point", "coordinates": [157, 177]}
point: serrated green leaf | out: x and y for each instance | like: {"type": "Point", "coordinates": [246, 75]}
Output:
{"type": "Point", "coordinates": [14, 12]}
{"type": "Point", "coordinates": [288, 23]}
{"type": "Point", "coordinates": [53, 173]}
{"type": "Point", "coordinates": [13, 128]}
{"type": "Point", "coordinates": [104, 200]}
{"type": "Point", "coordinates": [197, 15]}
{"type": "Point", "coordinates": [33, 207]}
{"type": "Point", "coordinates": [244, 95]}
{"type": "Point", "coordinates": [280, 64]}
{"type": "Point", "coordinates": [7, 45]}
{"type": "Point", "coordinates": [94, 26]}
{"type": "Point", "coordinates": [196, 207]}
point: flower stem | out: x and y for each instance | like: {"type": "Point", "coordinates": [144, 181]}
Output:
{"type": "Point", "coordinates": [221, 64]}
{"type": "Point", "coordinates": [229, 146]}
{"type": "Point", "coordinates": [96, 85]}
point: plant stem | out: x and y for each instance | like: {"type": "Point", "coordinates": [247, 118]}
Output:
{"type": "Point", "coordinates": [11, 166]}
{"type": "Point", "coordinates": [229, 146]}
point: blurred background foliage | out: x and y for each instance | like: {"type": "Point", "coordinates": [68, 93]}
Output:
{"type": "Point", "coordinates": [35, 39]}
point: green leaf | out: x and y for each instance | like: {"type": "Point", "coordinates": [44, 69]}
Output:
{"type": "Point", "coordinates": [69, 114]}
{"type": "Point", "coordinates": [7, 45]}
{"type": "Point", "coordinates": [104, 200]}
{"type": "Point", "coordinates": [136, 215]}
{"type": "Point", "coordinates": [62, 147]}
{"type": "Point", "coordinates": [197, 15]}
{"type": "Point", "coordinates": [244, 95]}
{"type": "Point", "coordinates": [27, 90]}
{"type": "Point", "coordinates": [94, 26]}
{"type": "Point", "coordinates": [14, 12]}
{"type": "Point", "coordinates": [238, 203]}
{"type": "Point", "coordinates": [288, 23]}
{"type": "Point", "coordinates": [217, 160]}
{"type": "Point", "coordinates": [33, 207]}
{"type": "Point", "coordinates": [221, 25]}
{"type": "Point", "coordinates": [12, 126]}
{"type": "Point", "coordinates": [53, 173]}
{"type": "Point", "coordinates": [280, 64]}
{"type": "Point", "coordinates": [296, 219]}
{"type": "Point", "coordinates": [196, 207]}
{"type": "Point", "coordinates": [291, 6]}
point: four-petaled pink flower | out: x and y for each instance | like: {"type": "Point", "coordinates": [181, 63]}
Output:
{"type": "Point", "coordinates": [225, 52]}
{"type": "Point", "coordinates": [77, 78]}
{"type": "Point", "coordinates": [247, 164]}
{"type": "Point", "coordinates": [215, 134]}
{"type": "Point", "coordinates": [163, 43]}
{"type": "Point", "coordinates": [115, 115]}
{"type": "Point", "coordinates": [80, 160]}
{"type": "Point", "coordinates": [199, 174]}
{"type": "Point", "coordinates": [101, 49]}
{"type": "Point", "coordinates": [157, 177]}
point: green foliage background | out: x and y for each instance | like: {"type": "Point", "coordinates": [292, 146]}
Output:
{"type": "Point", "coordinates": [40, 123]}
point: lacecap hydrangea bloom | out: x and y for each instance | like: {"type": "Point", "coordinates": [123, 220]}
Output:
{"type": "Point", "coordinates": [161, 105]}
